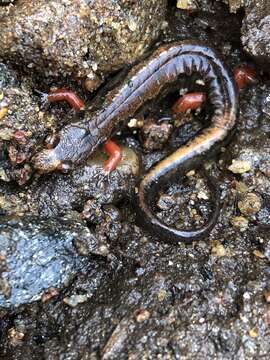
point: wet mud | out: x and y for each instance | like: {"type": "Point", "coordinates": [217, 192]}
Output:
{"type": "Point", "coordinates": [79, 277]}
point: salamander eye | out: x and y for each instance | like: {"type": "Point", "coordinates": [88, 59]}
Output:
{"type": "Point", "coordinates": [51, 141]}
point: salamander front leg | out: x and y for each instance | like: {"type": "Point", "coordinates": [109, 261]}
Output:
{"type": "Point", "coordinates": [58, 95]}
{"type": "Point", "coordinates": [115, 156]}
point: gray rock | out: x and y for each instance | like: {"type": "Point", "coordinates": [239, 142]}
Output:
{"type": "Point", "coordinates": [55, 194]}
{"type": "Point", "coordinates": [37, 255]}
{"type": "Point", "coordinates": [255, 30]}
{"type": "Point", "coordinates": [78, 38]}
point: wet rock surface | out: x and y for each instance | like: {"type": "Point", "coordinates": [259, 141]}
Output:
{"type": "Point", "coordinates": [25, 121]}
{"type": "Point", "coordinates": [57, 194]}
{"type": "Point", "coordinates": [80, 39]}
{"type": "Point", "coordinates": [130, 296]}
{"type": "Point", "coordinates": [38, 255]}
{"type": "Point", "coordinates": [255, 30]}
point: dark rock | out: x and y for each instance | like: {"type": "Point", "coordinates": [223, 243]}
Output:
{"type": "Point", "coordinates": [78, 38]}
{"type": "Point", "coordinates": [155, 135]}
{"type": "Point", "coordinates": [255, 31]}
{"type": "Point", "coordinates": [55, 194]}
{"type": "Point", "coordinates": [37, 255]}
{"type": "Point", "coordinates": [21, 127]}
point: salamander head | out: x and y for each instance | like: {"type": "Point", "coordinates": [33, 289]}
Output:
{"type": "Point", "coordinates": [70, 146]}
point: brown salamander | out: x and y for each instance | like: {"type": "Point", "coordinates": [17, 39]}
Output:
{"type": "Point", "coordinates": [147, 80]}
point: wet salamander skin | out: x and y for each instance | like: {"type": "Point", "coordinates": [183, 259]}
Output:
{"type": "Point", "coordinates": [145, 82]}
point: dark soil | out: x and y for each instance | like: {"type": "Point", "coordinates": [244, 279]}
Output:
{"type": "Point", "coordinates": [80, 279]}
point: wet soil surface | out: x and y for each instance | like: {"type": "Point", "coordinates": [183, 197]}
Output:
{"type": "Point", "coordinates": [80, 39]}
{"type": "Point", "coordinates": [80, 279]}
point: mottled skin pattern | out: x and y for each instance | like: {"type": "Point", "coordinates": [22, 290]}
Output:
{"type": "Point", "coordinates": [77, 141]}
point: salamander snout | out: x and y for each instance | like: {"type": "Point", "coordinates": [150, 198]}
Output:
{"type": "Point", "coordinates": [46, 161]}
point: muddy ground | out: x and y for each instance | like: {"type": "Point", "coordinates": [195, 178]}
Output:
{"type": "Point", "coordinates": [80, 279]}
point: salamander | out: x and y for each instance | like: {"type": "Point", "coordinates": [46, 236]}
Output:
{"type": "Point", "coordinates": [145, 82]}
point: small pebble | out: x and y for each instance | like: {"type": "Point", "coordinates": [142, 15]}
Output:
{"type": "Point", "coordinates": [74, 300]}
{"type": "Point", "coordinates": [156, 135]}
{"type": "Point", "coordinates": [249, 204]}
{"type": "Point", "coordinates": [253, 333]}
{"type": "Point", "coordinates": [235, 5]}
{"type": "Point", "coordinates": [49, 294]}
{"type": "Point", "coordinates": [239, 222]}
{"type": "Point", "coordinates": [203, 195]}
{"type": "Point", "coordinates": [246, 295]}
{"type": "Point", "coordinates": [266, 172]}
{"type": "Point", "coordinates": [141, 315]}
{"type": "Point", "coordinates": [240, 166]}
{"type": "Point", "coordinates": [186, 4]}
{"type": "Point", "coordinates": [132, 25]}
{"type": "Point", "coordinates": [91, 83]}
{"type": "Point", "coordinates": [162, 294]}
{"type": "Point", "coordinates": [166, 202]}
{"type": "Point", "coordinates": [218, 250]}
{"type": "Point", "coordinates": [240, 186]}
{"type": "Point", "coordinates": [3, 175]}
{"type": "Point", "coordinates": [132, 123]}
{"type": "Point", "coordinates": [3, 112]}
{"type": "Point", "coordinates": [267, 296]}
{"type": "Point", "coordinates": [258, 254]}
{"type": "Point", "coordinates": [5, 288]}
{"type": "Point", "coordinates": [190, 173]}
{"type": "Point", "coordinates": [6, 134]}
{"type": "Point", "coordinates": [15, 334]}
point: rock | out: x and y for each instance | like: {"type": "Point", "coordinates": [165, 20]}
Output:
{"type": "Point", "coordinates": [235, 5]}
{"type": "Point", "coordinates": [79, 38]}
{"type": "Point", "coordinates": [255, 30]}
{"type": "Point", "coordinates": [250, 204]}
{"type": "Point", "coordinates": [187, 4]}
{"type": "Point", "coordinates": [22, 126]}
{"type": "Point", "coordinates": [218, 249]}
{"type": "Point", "coordinates": [61, 193]}
{"type": "Point", "coordinates": [75, 300]}
{"type": "Point", "coordinates": [36, 255]}
{"type": "Point", "coordinates": [155, 135]}
{"type": "Point", "coordinates": [239, 222]}
{"type": "Point", "coordinates": [23, 108]}
{"type": "Point", "coordinates": [141, 315]}
{"type": "Point", "coordinates": [240, 166]}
